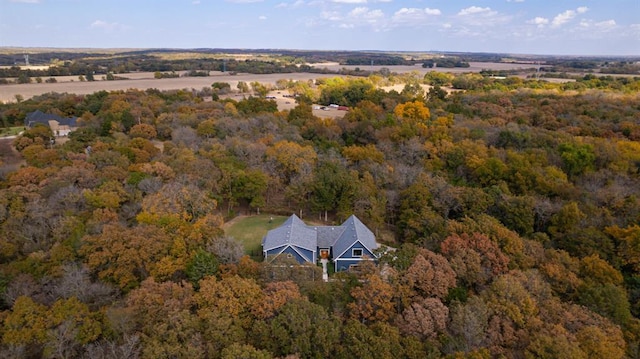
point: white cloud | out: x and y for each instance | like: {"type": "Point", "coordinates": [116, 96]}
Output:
{"type": "Point", "coordinates": [414, 16]}
{"type": "Point", "coordinates": [243, 1]}
{"type": "Point", "coordinates": [567, 16]}
{"type": "Point", "coordinates": [474, 10]}
{"type": "Point", "coordinates": [350, 1]}
{"type": "Point", "coordinates": [539, 21]}
{"type": "Point", "coordinates": [602, 26]}
{"type": "Point", "coordinates": [262, 17]}
{"type": "Point", "coordinates": [27, 1]}
{"type": "Point", "coordinates": [429, 11]}
{"type": "Point", "coordinates": [331, 15]}
{"type": "Point", "coordinates": [108, 26]}
{"type": "Point", "coordinates": [297, 3]}
{"type": "Point", "coordinates": [563, 18]}
{"type": "Point", "coordinates": [196, 2]}
{"type": "Point", "coordinates": [481, 16]}
{"type": "Point", "coordinates": [363, 12]}
{"type": "Point", "coordinates": [358, 16]}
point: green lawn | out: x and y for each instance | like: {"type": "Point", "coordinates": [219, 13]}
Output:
{"type": "Point", "coordinates": [250, 231]}
{"type": "Point", "coordinates": [10, 131]}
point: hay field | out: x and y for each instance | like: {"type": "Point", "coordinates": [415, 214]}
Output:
{"type": "Point", "coordinates": [142, 81]}
{"type": "Point", "coordinates": [145, 80]}
{"type": "Point", "coordinates": [473, 67]}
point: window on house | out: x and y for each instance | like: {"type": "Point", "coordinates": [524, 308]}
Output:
{"type": "Point", "coordinates": [289, 255]}
{"type": "Point", "coordinates": [356, 252]}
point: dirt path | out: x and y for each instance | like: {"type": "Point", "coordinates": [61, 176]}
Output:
{"type": "Point", "coordinates": [9, 157]}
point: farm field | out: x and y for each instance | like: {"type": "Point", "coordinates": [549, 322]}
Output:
{"type": "Point", "coordinates": [146, 80]}
{"type": "Point", "coordinates": [143, 81]}
{"type": "Point", "coordinates": [473, 67]}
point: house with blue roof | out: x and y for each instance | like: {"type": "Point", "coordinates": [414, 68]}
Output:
{"type": "Point", "coordinates": [60, 126]}
{"type": "Point", "coordinates": [346, 245]}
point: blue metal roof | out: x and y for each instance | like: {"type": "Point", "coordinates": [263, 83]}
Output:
{"type": "Point", "coordinates": [354, 231]}
{"type": "Point", "coordinates": [292, 232]}
{"type": "Point", "coordinates": [43, 118]}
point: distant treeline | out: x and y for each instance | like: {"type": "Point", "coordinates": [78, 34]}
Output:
{"type": "Point", "coordinates": [446, 62]}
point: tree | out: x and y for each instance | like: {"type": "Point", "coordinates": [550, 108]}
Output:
{"type": "Point", "coordinates": [26, 324]}
{"type": "Point", "coordinates": [233, 296]}
{"type": "Point", "coordinates": [276, 295]}
{"type": "Point", "coordinates": [175, 200]}
{"type": "Point", "coordinates": [372, 301]}
{"type": "Point", "coordinates": [628, 244]}
{"type": "Point", "coordinates": [126, 256]}
{"type": "Point", "coordinates": [475, 258]}
{"type": "Point", "coordinates": [424, 319]}
{"type": "Point", "coordinates": [201, 265]}
{"type": "Point", "coordinates": [242, 87]}
{"type": "Point", "coordinates": [414, 112]}
{"type": "Point", "coordinates": [417, 220]}
{"type": "Point", "coordinates": [292, 159]}
{"type": "Point", "coordinates": [226, 249]}
{"type": "Point", "coordinates": [162, 315]}
{"type": "Point", "coordinates": [260, 89]}
{"type": "Point", "coordinates": [577, 158]}
{"type": "Point", "coordinates": [244, 351]}
{"type": "Point", "coordinates": [143, 130]}
{"type": "Point", "coordinates": [301, 328]}
{"type": "Point", "coordinates": [332, 188]}
{"type": "Point", "coordinates": [207, 128]}
{"type": "Point", "coordinates": [430, 275]}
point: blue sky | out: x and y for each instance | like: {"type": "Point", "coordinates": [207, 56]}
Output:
{"type": "Point", "coordinates": [562, 27]}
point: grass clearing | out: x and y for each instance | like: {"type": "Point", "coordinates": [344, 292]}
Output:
{"type": "Point", "coordinates": [250, 230]}
{"type": "Point", "coordinates": [10, 131]}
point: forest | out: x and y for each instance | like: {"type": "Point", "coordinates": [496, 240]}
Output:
{"type": "Point", "coordinates": [510, 208]}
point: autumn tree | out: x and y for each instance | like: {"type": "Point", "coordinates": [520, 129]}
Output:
{"type": "Point", "coordinates": [126, 256]}
{"type": "Point", "coordinates": [424, 319]}
{"type": "Point", "coordinates": [430, 275]}
{"type": "Point", "coordinates": [292, 159]}
{"type": "Point", "coordinates": [143, 130]}
{"type": "Point", "coordinates": [372, 301]}
{"type": "Point", "coordinates": [162, 315]}
{"type": "Point", "coordinates": [475, 258]}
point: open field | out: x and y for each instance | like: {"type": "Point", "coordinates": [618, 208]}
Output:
{"type": "Point", "coordinates": [145, 80]}
{"type": "Point", "coordinates": [250, 230]}
{"type": "Point", "coordinates": [474, 67]}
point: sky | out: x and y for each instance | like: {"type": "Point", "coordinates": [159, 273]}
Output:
{"type": "Point", "coordinates": [543, 27]}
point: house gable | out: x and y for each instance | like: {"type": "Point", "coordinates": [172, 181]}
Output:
{"type": "Point", "coordinates": [299, 254]}
{"type": "Point", "coordinates": [293, 233]}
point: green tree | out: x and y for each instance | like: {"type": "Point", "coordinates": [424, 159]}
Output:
{"type": "Point", "coordinates": [201, 264]}
{"type": "Point", "coordinates": [302, 328]}
{"type": "Point", "coordinates": [577, 158]}
{"type": "Point", "coordinates": [242, 87]}
{"type": "Point", "coordinates": [332, 188]}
